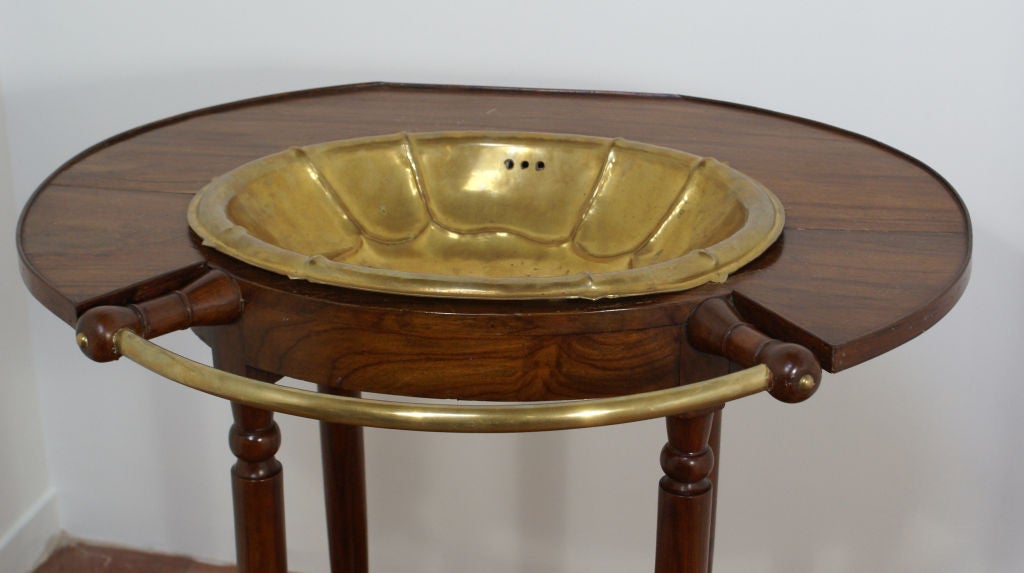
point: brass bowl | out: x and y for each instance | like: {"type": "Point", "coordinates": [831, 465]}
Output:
{"type": "Point", "coordinates": [490, 215]}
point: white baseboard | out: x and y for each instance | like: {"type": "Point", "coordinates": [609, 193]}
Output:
{"type": "Point", "coordinates": [28, 539]}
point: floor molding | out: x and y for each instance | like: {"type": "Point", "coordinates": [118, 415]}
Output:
{"type": "Point", "coordinates": [30, 537]}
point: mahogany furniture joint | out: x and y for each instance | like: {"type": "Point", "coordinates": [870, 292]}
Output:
{"type": "Point", "coordinates": [716, 328]}
{"type": "Point", "coordinates": [213, 298]}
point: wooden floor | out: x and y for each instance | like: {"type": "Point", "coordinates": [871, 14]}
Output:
{"type": "Point", "coordinates": [77, 557]}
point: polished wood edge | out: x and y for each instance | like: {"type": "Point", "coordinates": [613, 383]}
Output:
{"type": "Point", "coordinates": [716, 328]}
{"type": "Point", "coordinates": [45, 292]}
{"type": "Point", "coordinates": [836, 358]}
{"type": "Point", "coordinates": [70, 310]}
{"type": "Point", "coordinates": [783, 329]}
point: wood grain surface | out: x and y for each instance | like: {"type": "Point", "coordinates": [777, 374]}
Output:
{"type": "Point", "coordinates": [876, 246]}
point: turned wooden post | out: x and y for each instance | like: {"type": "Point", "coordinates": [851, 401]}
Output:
{"type": "Point", "coordinates": [257, 485]}
{"type": "Point", "coordinates": [344, 492]}
{"type": "Point", "coordinates": [212, 300]}
{"type": "Point", "coordinates": [686, 496]}
{"type": "Point", "coordinates": [688, 491]}
{"type": "Point", "coordinates": [715, 443]}
{"type": "Point", "coordinates": [257, 478]}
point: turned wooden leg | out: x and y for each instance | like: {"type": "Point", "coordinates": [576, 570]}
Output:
{"type": "Point", "coordinates": [715, 443]}
{"type": "Point", "coordinates": [257, 480]}
{"type": "Point", "coordinates": [258, 487]}
{"type": "Point", "coordinates": [345, 492]}
{"type": "Point", "coordinates": [686, 496]}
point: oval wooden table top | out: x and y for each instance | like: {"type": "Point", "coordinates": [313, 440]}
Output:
{"type": "Point", "coordinates": [875, 250]}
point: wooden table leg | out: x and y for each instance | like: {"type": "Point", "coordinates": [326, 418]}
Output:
{"type": "Point", "coordinates": [345, 493]}
{"type": "Point", "coordinates": [686, 496]}
{"type": "Point", "coordinates": [258, 487]}
{"type": "Point", "coordinates": [715, 443]}
{"type": "Point", "coordinates": [257, 479]}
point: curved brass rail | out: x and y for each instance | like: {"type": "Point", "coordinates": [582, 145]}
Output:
{"type": "Point", "coordinates": [442, 417]}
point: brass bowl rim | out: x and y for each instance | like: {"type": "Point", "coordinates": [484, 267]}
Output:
{"type": "Point", "coordinates": [207, 215]}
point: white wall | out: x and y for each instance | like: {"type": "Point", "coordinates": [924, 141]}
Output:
{"type": "Point", "coordinates": [28, 506]}
{"type": "Point", "coordinates": [909, 463]}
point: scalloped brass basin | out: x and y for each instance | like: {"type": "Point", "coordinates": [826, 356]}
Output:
{"type": "Point", "coordinates": [490, 215]}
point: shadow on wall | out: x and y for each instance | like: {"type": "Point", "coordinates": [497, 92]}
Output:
{"type": "Point", "coordinates": [905, 463]}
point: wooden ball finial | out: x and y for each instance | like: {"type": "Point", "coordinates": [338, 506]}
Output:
{"type": "Point", "coordinates": [716, 328]}
{"type": "Point", "coordinates": [213, 298]}
{"type": "Point", "coordinates": [95, 330]}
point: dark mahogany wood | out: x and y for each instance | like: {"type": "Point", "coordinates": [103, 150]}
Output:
{"type": "Point", "coordinates": [258, 490]}
{"type": "Point", "coordinates": [715, 443]}
{"type": "Point", "coordinates": [257, 479]}
{"type": "Point", "coordinates": [212, 298]}
{"type": "Point", "coordinates": [716, 328]}
{"type": "Point", "coordinates": [876, 246]}
{"type": "Point", "coordinates": [876, 249]}
{"type": "Point", "coordinates": [541, 352]}
{"type": "Point", "coordinates": [686, 496]}
{"type": "Point", "coordinates": [345, 493]}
